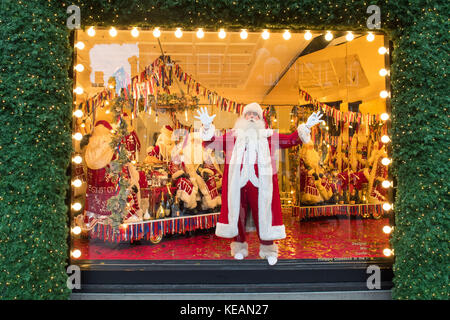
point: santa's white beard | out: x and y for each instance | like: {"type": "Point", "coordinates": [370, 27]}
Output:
{"type": "Point", "coordinates": [248, 128]}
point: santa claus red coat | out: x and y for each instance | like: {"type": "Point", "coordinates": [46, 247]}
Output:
{"type": "Point", "coordinates": [270, 219]}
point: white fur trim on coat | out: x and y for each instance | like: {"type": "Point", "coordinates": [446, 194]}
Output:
{"type": "Point", "coordinates": [237, 179]}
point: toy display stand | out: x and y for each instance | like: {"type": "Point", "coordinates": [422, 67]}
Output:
{"type": "Point", "coordinates": [351, 210]}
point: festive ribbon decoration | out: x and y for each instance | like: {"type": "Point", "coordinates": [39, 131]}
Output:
{"type": "Point", "coordinates": [363, 210]}
{"type": "Point", "coordinates": [337, 115]}
{"type": "Point", "coordinates": [146, 229]}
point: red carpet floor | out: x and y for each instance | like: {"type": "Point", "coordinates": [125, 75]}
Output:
{"type": "Point", "coordinates": [337, 237]}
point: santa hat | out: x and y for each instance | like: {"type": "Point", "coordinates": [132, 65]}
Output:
{"type": "Point", "coordinates": [253, 107]}
{"type": "Point", "coordinates": [104, 123]}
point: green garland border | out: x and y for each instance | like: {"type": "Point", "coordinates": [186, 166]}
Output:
{"type": "Point", "coordinates": [36, 102]}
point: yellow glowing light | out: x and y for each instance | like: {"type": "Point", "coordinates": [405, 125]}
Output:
{"type": "Point", "coordinates": [113, 32]}
{"type": "Point", "coordinates": [156, 33]}
{"type": "Point", "coordinates": [384, 94]}
{"type": "Point", "coordinates": [79, 67]}
{"type": "Point", "coordinates": [244, 34]}
{"type": "Point", "coordinates": [386, 161]}
{"type": "Point", "coordinates": [77, 183]}
{"type": "Point", "coordinates": [76, 230]}
{"type": "Point", "coordinates": [107, 111]}
{"type": "Point", "coordinates": [384, 116]}
{"type": "Point", "coordinates": [91, 32]}
{"type": "Point", "coordinates": [387, 229]}
{"type": "Point", "coordinates": [77, 159]}
{"type": "Point", "coordinates": [382, 50]}
{"type": "Point", "coordinates": [349, 36]}
{"type": "Point", "coordinates": [200, 33]}
{"type": "Point", "coordinates": [178, 33]}
{"type": "Point", "coordinates": [78, 90]}
{"type": "Point", "coordinates": [78, 136]}
{"type": "Point", "coordinates": [286, 35]}
{"type": "Point", "coordinates": [370, 37]}
{"type": "Point", "coordinates": [386, 184]}
{"type": "Point", "coordinates": [308, 35]}
{"type": "Point", "coordinates": [222, 34]}
{"type": "Point", "coordinates": [265, 35]}
{"type": "Point", "coordinates": [328, 36]}
{"type": "Point", "coordinates": [78, 113]}
{"type": "Point", "coordinates": [383, 72]}
{"type": "Point", "coordinates": [387, 206]}
{"type": "Point", "coordinates": [76, 253]}
{"type": "Point", "coordinates": [135, 32]}
{"type": "Point", "coordinates": [76, 206]}
{"type": "Point", "coordinates": [79, 45]}
{"type": "Point", "coordinates": [387, 252]}
{"type": "Point", "coordinates": [385, 139]}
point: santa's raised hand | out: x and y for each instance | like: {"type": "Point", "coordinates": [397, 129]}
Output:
{"type": "Point", "coordinates": [204, 117]}
{"type": "Point", "coordinates": [314, 119]}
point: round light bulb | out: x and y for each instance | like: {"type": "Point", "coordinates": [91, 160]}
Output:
{"type": "Point", "coordinates": [386, 184]}
{"type": "Point", "coordinates": [156, 33]}
{"type": "Point", "coordinates": [79, 67]}
{"type": "Point", "coordinates": [200, 33]}
{"type": "Point", "coordinates": [384, 116]}
{"type": "Point", "coordinates": [383, 72]}
{"type": "Point", "coordinates": [76, 253]}
{"type": "Point", "coordinates": [244, 34]}
{"type": "Point", "coordinates": [384, 94]}
{"type": "Point", "coordinates": [265, 35]}
{"type": "Point", "coordinates": [91, 32]}
{"type": "Point", "coordinates": [76, 230]}
{"type": "Point", "coordinates": [77, 159]}
{"type": "Point", "coordinates": [178, 33]}
{"type": "Point", "coordinates": [79, 45]}
{"type": "Point", "coordinates": [385, 139]}
{"type": "Point", "coordinates": [386, 206]}
{"type": "Point", "coordinates": [308, 35]}
{"type": "Point", "coordinates": [107, 111]}
{"type": "Point", "coordinates": [286, 35]}
{"type": "Point", "coordinates": [222, 34]}
{"type": "Point", "coordinates": [76, 206]}
{"type": "Point", "coordinates": [387, 252]}
{"type": "Point", "coordinates": [78, 90]}
{"type": "Point", "coordinates": [113, 32]}
{"type": "Point", "coordinates": [382, 50]}
{"type": "Point", "coordinates": [385, 161]}
{"type": "Point", "coordinates": [77, 183]}
{"type": "Point", "coordinates": [78, 113]}
{"type": "Point", "coordinates": [349, 36]}
{"type": "Point", "coordinates": [328, 36]}
{"type": "Point", "coordinates": [78, 136]}
{"type": "Point", "coordinates": [387, 229]}
{"type": "Point", "coordinates": [370, 37]}
{"type": "Point", "coordinates": [135, 32]}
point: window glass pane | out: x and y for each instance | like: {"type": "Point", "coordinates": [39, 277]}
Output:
{"type": "Point", "coordinates": [146, 187]}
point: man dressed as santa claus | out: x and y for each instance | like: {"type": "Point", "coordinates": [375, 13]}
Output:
{"type": "Point", "coordinates": [250, 177]}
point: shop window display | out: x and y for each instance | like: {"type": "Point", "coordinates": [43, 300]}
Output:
{"type": "Point", "coordinates": [145, 186]}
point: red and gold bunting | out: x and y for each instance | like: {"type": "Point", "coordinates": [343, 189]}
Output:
{"type": "Point", "coordinates": [147, 229]}
{"type": "Point", "coordinates": [337, 115]}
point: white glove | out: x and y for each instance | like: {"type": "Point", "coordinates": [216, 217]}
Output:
{"type": "Point", "coordinates": [204, 117]}
{"type": "Point", "coordinates": [314, 119]}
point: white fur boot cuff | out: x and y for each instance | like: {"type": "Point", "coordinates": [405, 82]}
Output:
{"type": "Point", "coordinates": [239, 250]}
